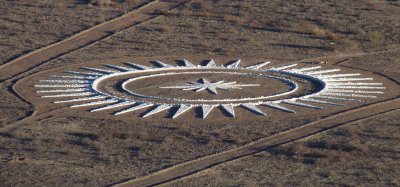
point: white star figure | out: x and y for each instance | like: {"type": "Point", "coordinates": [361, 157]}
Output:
{"type": "Point", "coordinates": [203, 84]}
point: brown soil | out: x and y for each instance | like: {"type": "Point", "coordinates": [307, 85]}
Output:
{"type": "Point", "coordinates": [46, 144]}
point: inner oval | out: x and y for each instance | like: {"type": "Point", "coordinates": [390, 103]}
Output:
{"type": "Point", "coordinates": [255, 86]}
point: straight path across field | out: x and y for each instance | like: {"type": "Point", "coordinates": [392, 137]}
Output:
{"type": "Point", "coordinates": [84, 38]}
{"type": "Point", "coordinates": [194, 166]}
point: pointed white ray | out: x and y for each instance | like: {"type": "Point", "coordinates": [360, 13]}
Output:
{"type": "Point", "coordinates": [108, 101]}
{"type": "Point", "coordinates": [234, 64]}
{"type": "Point", "coordinates": [158, 109]}
{"type": "Point", "coordinates": [258, 66]}
{"type": "Point", "coordinates": [277, 106]}
{"type": "Point", "coordinates": [253, 108]}
{"type": "Point", "coordinates": [206, 109]}
{"type": "Point", "coordinates": [334, 98]}
{"type": "Point", "coordinates": [137, 107]}
{"type": "Point", "coordinates": [211, 64]}
{"type": "Point", "coordinates": [105, 71]}
{"type": "Point", "coordinates": [347, 79]}
{"type": "Point", "coordinates": [356, 84]}
{"type": "Point", "coordinates": [282, 67]}
{"type": "Point", "coordinates": [299, 70]}
{"type": "Point", "coordinates": [229, 108]}
{"type": "Point", "coordinates": [302, 104]}
{"type": "Point", "coordinates": [117, 105]}
{"type": "Point", "coordinates": [162, 64]}
{"type": "Point", "coordinates": [321, 72]}
{"type": "Point", "coordinates": [212, 89]}
{"type": "Point", "coordinates": [85, 73]}
{"type": "Point", "coordinates": [353, 91]}
{"type": "Point", "coordinates": [182, 109]}
{"type": "Point", "coordinates": [338, 75]}
{"type": "Point", "coordinates": [75, 77]}
{"type": "Point", "coordinates": [61, 85]}
{"type": "Point", "coordinates": [119, 68]}
{"type": "Point", "coordinates": [69, 95]}
{"type": "Point", "coordinates": [66, 81]}
{"type": "Point", "coordinates": [320, 101]}
{"type": "Point", "coordinates": [187, 63]}
{"type": "Point", "coordinates": [83, 99]}
{"type": "Point", "coordinates": [349, 95]}
{"type": "Point", "coordinates": [63, 91]}
{"type": "Point", "coordinates": [137, 66]}
{"type": "Point", "coordinates": [356, 87]}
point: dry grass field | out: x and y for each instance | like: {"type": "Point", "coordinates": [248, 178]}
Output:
{"type": "Point", "coordinates": [44, 144]}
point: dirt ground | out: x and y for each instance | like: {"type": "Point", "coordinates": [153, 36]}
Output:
{"type": "Point", "coordinates": [73, 147]}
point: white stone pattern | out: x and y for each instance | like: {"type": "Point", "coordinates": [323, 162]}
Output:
{"type": "Point", "coordinates": [204, 84]}
{"type": "Point", "coordinates": [81, 88]}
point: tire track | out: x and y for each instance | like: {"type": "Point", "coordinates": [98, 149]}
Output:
{"type": "Point", "coordinates": [85, 38]}
{"type": "Point", "coordinates": [194, 166]}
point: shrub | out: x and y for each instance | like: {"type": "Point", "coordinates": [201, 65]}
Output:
{"type": "Point", "coordinates": [312, 29]}
{"type": "Point", "coordinates": [375, 37]}
{"type": "Point", "coordinates": [101, 2]}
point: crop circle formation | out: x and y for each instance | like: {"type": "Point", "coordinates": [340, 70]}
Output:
{"type": "Point", "coordinates": [128, 87]}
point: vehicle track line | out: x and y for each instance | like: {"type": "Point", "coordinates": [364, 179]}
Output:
{"type": "Point", "coordinates": [194, 166]}
{"type": "Point", "coordinates": [85, 38]}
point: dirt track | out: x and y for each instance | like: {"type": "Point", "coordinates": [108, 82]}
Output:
{"type": "Point", "coordinates": [84, 38]}
{"type": "Point", "coordinates": [310, 129]}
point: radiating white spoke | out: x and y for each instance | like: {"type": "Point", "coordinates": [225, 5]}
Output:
{"type": "Point", "coordinates": [85, 73]}
{"type": "Point", "coordinates": [119, 68]}
{"type": "Point", "coordinates": [206, 109]}
{"type": "Point", "coordinates": [211, 64]}
{"type": "Point", "coordinates": [63, 91]}
{"type": "Point", "coordinates": [182, 109]}
{"type": "Point", "coordinates": [137, 66]}
{"type": "Point", "coordinates": [229, 108]}
{"type": "Point", "coordinates": [82, 99]}
{"type": "Point", "coordinates": [108, 101]}
{"type": "Point", "coordinates": [300, 70]}
{"type": "Point", "coordinates": [75, 77]}
{"type": "Point", "coordinates": [117, 105]}
{"type": "Point", "coordinates": [283, 67]}
{"type": "Point", "coordinates": [279, 107]}
{"type": "Point", "coordinates": [70, 95]}
{"type": "Point", "coordinates": [66, 81]}
{"type": "Point", "coordinates": [253, 108]}
{"type": "Point", "coordinates": [131, 109]}
{"type": "Point", "coordinates": [61, 85]}
{"type": "Point", "coordinates": [258, 66]}
{"type": "Point", "coordinates": [321, 72]}
{"type": "Point", "coordinates": [157, 110]}
{"type": "Point", "coordinates": [106, 71]}
{"type": "Point", "coordinates": [162, 64]}
{"type": "Point", "coordinates": [187, 63]}
{"type": "Point", "coordinates": [302, 104]}
{"type": "Point", "coordinates": [235, 64]}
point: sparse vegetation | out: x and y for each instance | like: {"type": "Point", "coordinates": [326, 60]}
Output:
{"type": "Point", "coordinates": [313, 29]}
{"type": "Point", "coordinates": [101, 3]}
{"type": "Point", "coordinates": [375, 37]}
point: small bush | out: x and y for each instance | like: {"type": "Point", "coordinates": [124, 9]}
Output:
{"type": "Point", "coordinates": [101, 3]}
{"type": "Point", "coordinates": [255, 24]}
{"type": "Point", "coordinates": [347, 45]}
{"type": "Point", "coordinates": [312, 29]}
{"type": "Point", "coordinates": [375, 37]}
{"type": "Point", "coordinates": [230, 18]}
